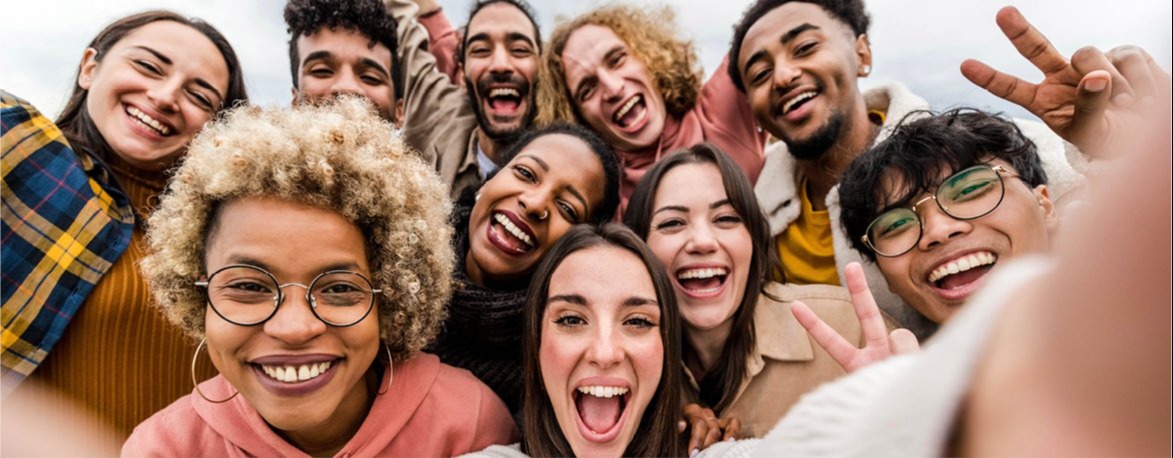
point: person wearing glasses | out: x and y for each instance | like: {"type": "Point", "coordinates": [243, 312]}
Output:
{"type": "Point", "coordinates": [313, 270]}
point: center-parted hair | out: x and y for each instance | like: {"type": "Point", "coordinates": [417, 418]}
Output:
{"type": "Point", "coordinates": [650, 34]}
{"type": "Point", "coordinates": [924, 149]}
{"type": "Point", "coordinates": [719, 386]}
{"type": "Point", "coordinates": [850, 12]}
{"type": "Point", "coordinates": [368, 17]}
{"type": "Point", "coordinates": [656, 434]}
{"type": "Point", "coordinates": [479, 5]}
{"type": "Point", "coordinates": [334, 155]}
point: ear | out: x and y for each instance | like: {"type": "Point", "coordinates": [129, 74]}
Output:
{"type": "Point", "coordinates": [399, 113]}
{"type": "Point", "coordinates": [1043, 194]}
{"type": "Point", "coordinates": [460, 80]}
{"type": "Point", "coordinates": [293, 96]}
{"type": "Point", "coordinates": [863, 52]}
{"type": "Point", "coordinates": [89, 65]}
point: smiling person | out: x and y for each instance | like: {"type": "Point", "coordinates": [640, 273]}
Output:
{"type": "Point", "coordinates": [799, 63]}
{"type": "Point", "coordinates": [555, 177]}
{"type": "Point", "coordinates": [468, 101]}
{"type": "Point", "coordinates": [746, 355]}
{"type": "Point", "coordinates": [602, 351]}
{"type": "Point", "coordinates": [76, 193]}
{"type": "Point", "coordinates": [623, 71]}
{"type": "Point", "coordinates": [345, 48]}
{"type": "Point", "coordinates": [314, 270]}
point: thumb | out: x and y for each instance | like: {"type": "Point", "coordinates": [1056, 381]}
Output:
{"type": "Point", "coordinates": [903, 341]}
{"type": "Point", "coordinates": [1092, 97]}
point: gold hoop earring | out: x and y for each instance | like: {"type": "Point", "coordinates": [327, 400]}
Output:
{"type": "Point", "coordinates": [390, 370]}
{"type": "Point", "coordinates": [195, 382]}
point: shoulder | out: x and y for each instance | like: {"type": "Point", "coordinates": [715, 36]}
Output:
{"type": "Point", "coordinates": [831, 303]}
{"type": "Point", "coordinates": [176, 430]}
{"type": "Point", "coordinates": [498, 451]}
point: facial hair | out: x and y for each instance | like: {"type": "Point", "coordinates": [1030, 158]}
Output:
{"type": "Point", "coordinates": [503, 137]}
{"type": "Point", "coordinates": [818, 143]}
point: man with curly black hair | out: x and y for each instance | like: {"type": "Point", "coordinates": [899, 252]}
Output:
{"type": "Point", "coordinates": [345, 47]}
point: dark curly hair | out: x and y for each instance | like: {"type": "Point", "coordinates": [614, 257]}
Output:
{"type": "Point", "coordinates": [923, 149]}
{"type": "Point", "coordinates": [850, 12]}
{"type": "Point", "coordinates": [479, 5]}
{"type": "Point", "coordinates": [368, 17]}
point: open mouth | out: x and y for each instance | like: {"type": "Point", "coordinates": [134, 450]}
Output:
{"type": "Point", "coordinates": [601, 411]}
{"type": "Point", "coordinates": [295, 373]}
{"type": "Point", "coordinates": [702, 281]}
{"type": "Point", "coordinates": [632, 114]}
{"type": "Point", "coordinates": [504, 100]}
{"type": "Point", "coordinates": [511, 235]}
{"type": "Point", "coordinates": [146, 122]}
{"type": "Point", "coordinates": [962, 273]}
{"type": "Point", "coordinates": [798, 101]}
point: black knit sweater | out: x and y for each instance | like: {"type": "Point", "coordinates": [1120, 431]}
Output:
{"type": "Point", "coordinates": [483, 331]}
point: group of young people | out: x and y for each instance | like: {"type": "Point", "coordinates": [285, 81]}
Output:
{"type": "Point", "coordinates": [486, 241]}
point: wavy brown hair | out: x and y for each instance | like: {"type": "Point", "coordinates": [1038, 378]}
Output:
{"type": "Point", "coordinates": [650, 33]}
{"type": "Point", "coordinates": [336, 155]}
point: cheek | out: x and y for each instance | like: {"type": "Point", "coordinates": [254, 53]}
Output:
{"type": "Point", "coordinates": [664, 247]}
{"type": "Point", "coordinates": [648, 357]}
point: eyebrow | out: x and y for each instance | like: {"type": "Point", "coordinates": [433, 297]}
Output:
{"type": "Point", "coordinates": [571, 189]}
{"type": "Point", "coordinates": [611, 52]}
{"type": "Point", "coordinates": [242, 259]}
{"type": "Point", "coordinates": [636, 301]}
{"type": "Point", "coordinates": [786, 39]}
{"type": "Point", "coordinates": [683, 209]}
{"type": "Point", "coordinates": [167, 60]}
{"type": "Point", "coordinates": [326, 55]}
{"type": "Point", "coordinates": [510, 37]}
{"type": "Point", "coordinates": [577, 299]}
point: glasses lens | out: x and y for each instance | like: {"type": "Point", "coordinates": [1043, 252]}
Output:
{"type": "Point", "coordinates": [894, 232]}
{"type": "Point", "coordinates": [342, 298]}
{"type": "Point", "coordinates": [971, 193]}
{"type": "Point", "coordinates": [243, 295]}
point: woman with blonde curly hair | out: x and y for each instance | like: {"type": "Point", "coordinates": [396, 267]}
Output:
{"type": "Point", "coordinates": [623, 71]}
{"type": "Point", "coordinates": [302, 246]}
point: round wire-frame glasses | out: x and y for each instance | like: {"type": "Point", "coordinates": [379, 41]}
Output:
{"type": "Point", "coordinates": [247, 295]}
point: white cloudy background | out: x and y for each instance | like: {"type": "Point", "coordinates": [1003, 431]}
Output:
{"type": "Point", "coordinates": [917, 42]}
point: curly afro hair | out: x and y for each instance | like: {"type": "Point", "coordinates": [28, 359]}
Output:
{"type": "Point", "coordinates": [334, 155]}
{"type": "Point", "coordinates": [368, 17]}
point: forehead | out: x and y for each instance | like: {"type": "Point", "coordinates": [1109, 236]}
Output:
{"type": "Point", "coordinates": [571, 162]}
{"type": "Point", "coordinates": [343, 44]}
{"type": "Point", "coordinates": [770, 28]}
{"type": "Point", "coordinates": [499, 20]}
{"type": "Point", "coordinates": [186, 47]}
{"type": "Point", "coordinates": [691, 185]}
{"type": "Point", "coordinates": [586, 47]}
{"type": "Point", "coordinates": [583, 271]}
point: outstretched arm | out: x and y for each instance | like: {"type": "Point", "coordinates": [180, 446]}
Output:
{"type": "Point", "coordinates": [1086, 100]}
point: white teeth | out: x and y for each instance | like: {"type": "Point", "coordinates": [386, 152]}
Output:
{"type": "Point", "coordinates": [513, 229]}
{"type": "Point", "coordinates": [627, 107]}
{"type": "Point", "coordinates": [603, 391]}
{"type": "Point", "coordinates": [961, 265]}
{"type": "Point", "coordinates": [291, 374]}
{"type": "Point", "coordinates": [504, 91]}
{"type": "Point", "coordinates": [798, 99]}
{"type": "Point", "coordinates": [148, 121]}
{"type": "Point", "coordinates": [708, 272]}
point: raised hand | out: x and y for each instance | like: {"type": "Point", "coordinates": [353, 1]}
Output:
{"type": "Point", "coordinates": [705, 429]}
{"type": "Point", "coordinates": [1088, 100]}
{"type": "Point", "coordinates": [879, 343]}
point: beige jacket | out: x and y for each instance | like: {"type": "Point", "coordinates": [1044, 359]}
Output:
{"type": "Point", "coordinates": [786, 362]}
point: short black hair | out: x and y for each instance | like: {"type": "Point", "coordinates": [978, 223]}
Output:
{"type": "Point", "coordinates": [612, 173]}
{"type": "Point", "coordinates": [923, 149]}
{"type": "Point", "coordinates": [368, 17]}
{"type": "Point", "coordinates": [850, 12]}
{"type": "Point", "coordinates": [478, 5]}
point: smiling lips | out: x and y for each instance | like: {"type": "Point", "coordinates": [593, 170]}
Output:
{"type": "Point", "coordinates": [504, 100]}
{"type": "Point", "coordinates": [601, 411]}
{"type": "Point", "coordinates": [147, 122]}
{"type": "Point", "coordinates": [702, 281]}
{"type": "Point", "coordinates": [511, 235]}
{"type": "Point", "coordinates": [631, 114]}
{"type": "Point", "coordinates": [295, 373]}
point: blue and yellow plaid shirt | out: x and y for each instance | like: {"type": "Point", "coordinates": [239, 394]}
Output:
{"type": "Point", "coordinates": [65, 222]}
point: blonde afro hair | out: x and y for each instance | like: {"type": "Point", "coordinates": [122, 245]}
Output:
{"type": "Point", "coordinates": [650, 34]}
{"type": "Point", "coordinates": [339, 156]}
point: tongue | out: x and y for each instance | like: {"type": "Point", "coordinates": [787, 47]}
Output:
{"type": "Point", "coordinates": [503, 104]}
{"type": "Point", "coordinates": [634, 113]}
{"type": "Point", "coordinates": [505, 236]}
{"type": "Point", "coordinates": [701, 283]}
{"type": "Point", "coordinates": [963, 278]}
{"type": "Point", "coordinates": [599, 414]}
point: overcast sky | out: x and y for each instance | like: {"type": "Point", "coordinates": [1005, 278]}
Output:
{"type": "Point", "coordinates": [917, 42]}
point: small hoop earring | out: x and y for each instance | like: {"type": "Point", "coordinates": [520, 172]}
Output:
{"type": "Point", "coordinates": [195, 382]}
{"type": "Point", "coordinates": [476, 196]}
{"type": "Point", "coordinates": [865, 70]}
{"type": "Point", "coordinates": [544, 215]}
{"type": "Point", "coordinates": [390, 370]}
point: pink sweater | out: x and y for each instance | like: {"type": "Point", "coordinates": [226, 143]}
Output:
{"type": "Point", "coordinates": [721, 116]}
{"type": "Point", "coordinates": [431, 409]}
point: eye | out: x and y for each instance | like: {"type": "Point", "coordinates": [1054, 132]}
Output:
{"type": "Point", "coordinates": [897, 226]}
{"type": "Point", "coordinates": [727, 220]}
{"type": "Point", "coordinates": [478, 51]}
{"type": "Point", "coordinates": [254, 286]}
{"type": "Point", "coordinates": [200, 99]}
{"type": "Point", "coordinates": [670, 224]}
{"type": "Point", "coordinates": [586, 91]}
{"type": "Point", "coordinates": [617, 59]}
{"type": "Point", "coordinates": [640, 322]}
{"type": "Point", "coordinates": [760, 75]}
{"type": "Point", "coordinates": [569, 211]}
{"type": "Point", "coordinates": [805, 48]}
{"type": "Point", "coordinates": [372, 79]}
{"type": "Point", "coordinates": [148, 67]}
{"type": "Point", "coordinates": [522, 51]}
{"type": "Point", "coordinates": [320, 72]}
{"type": "Point", "coordinates": [525, 174]}
{"type": "Point", "coordinates": [570, 320]}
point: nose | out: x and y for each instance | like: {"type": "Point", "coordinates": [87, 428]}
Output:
{"type": "Point", "coordinates": [701, 240]}
{"type": "Point", "coordinates": [785, 74]}
{"type": "Point", "coordinates": [499, 61]}
{"type": "Point", "coordinates": [346, 83]}
{"type": "Point", "coordinates": [165, 94]}
{"type": "Point", "coordinates": [535, 204]}
{"type": "Point", "coordinates": [294, 322]}
{"type": "Point", "coordinates": [606, 350]}
{"type": "Point", "coordinates": [610, 85]}
{"type": "Point", "coordinates": [937, 227]}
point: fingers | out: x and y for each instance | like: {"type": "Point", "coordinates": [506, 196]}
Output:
{"type": "Point", "coordinates": [842, 351]}
{"type": "Point", "coordinates": [1005, 86]}
{"type": "Point", "coordinates": [732, 428]}
{"type": "Point", "coordinates": [705, 429]}
{"type": "Point", "coordinates": [1139, 70]}
{"type": "Point", "coordinates": [1029, 42]}
{"type": "Point", "coordinates": [903, 341]}
{"type": "Point", "coordinates": [870, 320]}
{"type": "Point", "coordinates": [1088, 60]}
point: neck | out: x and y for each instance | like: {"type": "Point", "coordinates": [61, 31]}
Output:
{"type": "Point", "coordinates": [707, 346]}
{"type": "Point", "coordinates": [489, 146]}
{"type": "Point", "coordinates": [328, 438]}
{"type": "Point", "coordinates": [823, 173]}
